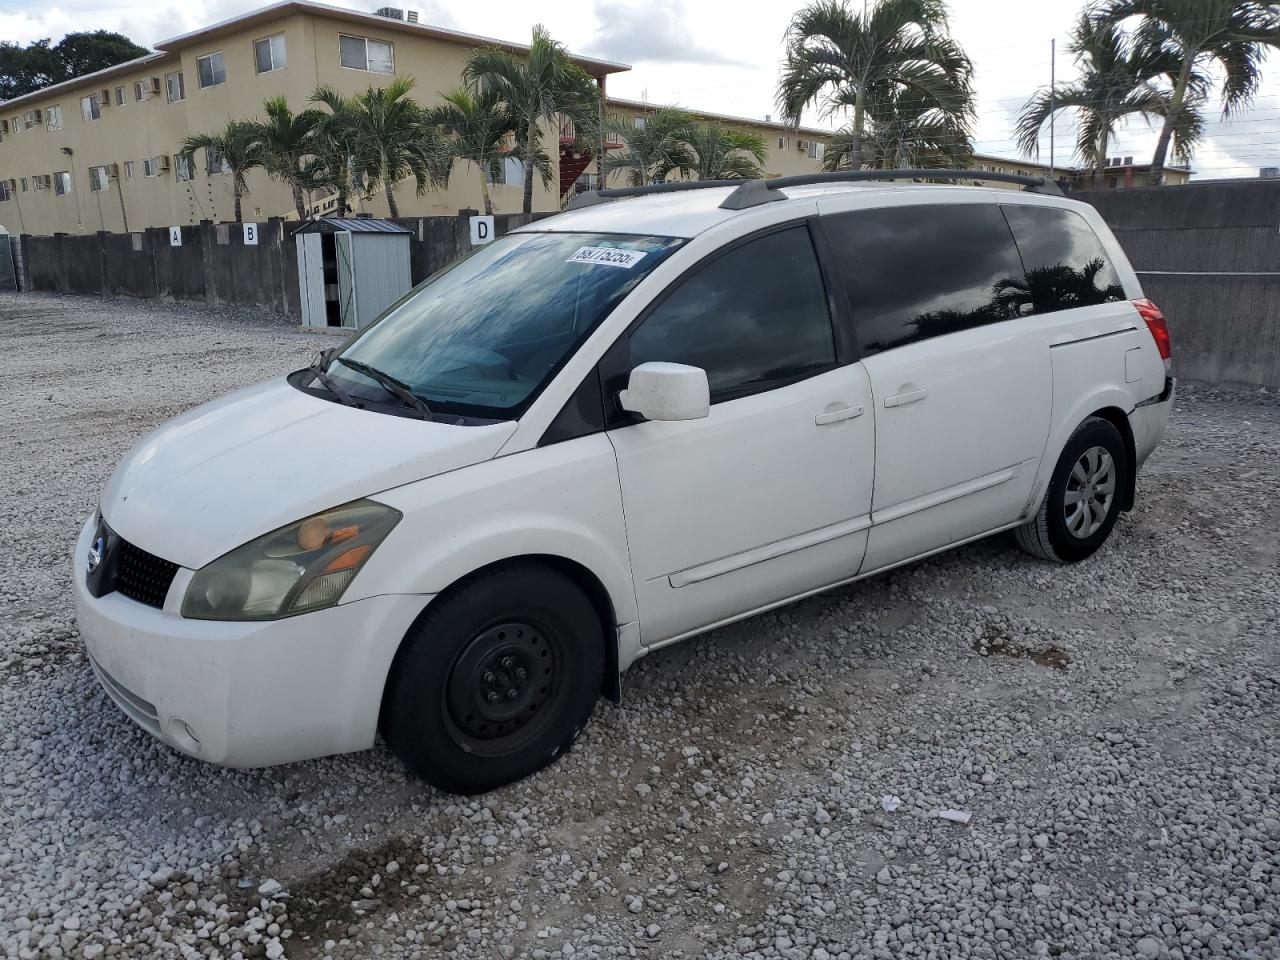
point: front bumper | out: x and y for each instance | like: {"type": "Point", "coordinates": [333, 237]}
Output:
{"type": "Point", "coordinates": [244, 694]}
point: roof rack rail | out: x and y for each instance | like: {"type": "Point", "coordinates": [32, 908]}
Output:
{"type": "Point", "coordinates": [755, 192]}
{"type": "Point", "coordinates": [589, 198]}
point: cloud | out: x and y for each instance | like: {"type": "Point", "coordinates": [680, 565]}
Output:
{"type": "Point", "coordinates": [657, 31]}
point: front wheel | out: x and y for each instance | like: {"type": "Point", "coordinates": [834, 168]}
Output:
{"type": "Point", "coordinates": [1082, 503]}
{"type": "Point", "coordinates": [496, 680]}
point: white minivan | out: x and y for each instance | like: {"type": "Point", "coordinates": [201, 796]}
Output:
{"type": "Point", "coordinates": [605, 432]}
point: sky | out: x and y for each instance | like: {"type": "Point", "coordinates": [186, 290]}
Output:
{"type": "Point", "coordinates": [689, 53]}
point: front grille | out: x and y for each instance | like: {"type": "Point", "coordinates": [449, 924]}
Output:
{"type": "Point", "coordinates": [142, 576]}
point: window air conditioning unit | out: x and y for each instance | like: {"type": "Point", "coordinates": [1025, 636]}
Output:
{"type": "Point", "coordinates": [43, 181]}
{"type": "Point", "coordinates": [162, 163]}
{"type": "Point", "coordinates": [802, 144]}
{"type": "Point", "coordinates": [113, 171]}
{"type": "Point", "coordinates": [104, 97]}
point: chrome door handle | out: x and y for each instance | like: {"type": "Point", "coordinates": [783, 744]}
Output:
{"type": "Point", "coordinates": [902, 399]}
{"type": "Point", "coordinates": [835, 416]}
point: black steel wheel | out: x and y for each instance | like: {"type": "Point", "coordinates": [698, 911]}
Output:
{"type": "Point", "coordinates": [504, 688]}
{"type": "Point", "coordinates": [496, 679]}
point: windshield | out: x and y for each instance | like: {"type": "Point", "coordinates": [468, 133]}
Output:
{"type": "Point", "coordinates": [483, 336]}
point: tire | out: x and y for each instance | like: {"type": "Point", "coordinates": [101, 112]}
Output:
{"type": "Point", "coordinates": [495, 680]}
{"type": "Point", "coordinates": [1067, 528]}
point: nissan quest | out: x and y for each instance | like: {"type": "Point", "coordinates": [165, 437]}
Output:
{"type": "Point", "coordinates": [660, 411]}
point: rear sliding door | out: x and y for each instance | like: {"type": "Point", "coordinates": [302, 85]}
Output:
{"type": "Point", "coordinates": [959, 369]}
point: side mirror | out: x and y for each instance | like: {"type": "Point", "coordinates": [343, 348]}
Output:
{"type": "Point", "coordinates": [667, 391]}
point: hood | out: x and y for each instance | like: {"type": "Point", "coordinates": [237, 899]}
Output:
{"type": "Point", "coordinates": [228, 471]}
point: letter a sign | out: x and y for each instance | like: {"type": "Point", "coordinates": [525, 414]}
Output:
{"type": "Point", "coordinates": [481, 230]}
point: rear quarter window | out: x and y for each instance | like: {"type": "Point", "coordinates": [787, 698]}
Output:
{"type": "Point", "coordinates": [921, 271]}
{"type": "Point", "coordinates": [1066, 264]}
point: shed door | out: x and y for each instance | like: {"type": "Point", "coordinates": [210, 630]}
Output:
{"type": "Point", "coordinates": [8, 278]}
{"type": "Point", "coordinates": [311, 280]}
{"type": "Point", "coordinates": [346, 280]}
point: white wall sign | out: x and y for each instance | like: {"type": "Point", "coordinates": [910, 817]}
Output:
{"type": "Point", "coordinates": [175, 236]}
{"type": "Point", "coordinates": [481, 230]}
{"type": "Point", "coordinates": [250, 234]}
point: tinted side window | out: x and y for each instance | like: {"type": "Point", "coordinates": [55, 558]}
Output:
{"type": "Point", "coordinates": [1066, 263]}
{"type": "Point", "coordinates": [753, 318]}
{"type": "Point", "coordinates": [916, 272]}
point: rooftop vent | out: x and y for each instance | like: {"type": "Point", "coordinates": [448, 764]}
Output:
{"type": "Point", "coordinates": [391, 13]}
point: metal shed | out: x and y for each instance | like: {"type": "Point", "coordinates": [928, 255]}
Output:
{"type": "Point", "coordinates": [351, 269]}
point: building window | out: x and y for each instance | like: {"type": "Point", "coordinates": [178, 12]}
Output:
{"type": "Point", "coordinates": [211, 70]}
{"type": "Point", "coordinates": [215, 163]}
{"type": "Point", "coordinates": [98, 179]}
{"type": "Point", "coordinates": [90, 108]}
{"type": "Point", "coordinates": [23, 182]}
{"type": "Point", "coordinates": [30, 119]}
{"type": "Point", "coordinates": [816, 150]}
{"type": "Point", "coordinates": [6, 192]}
{"type": "Point", "coordinates": [360, 53]}
{"type": "Point", "coordinates": [148, 166]}
{"type": "Point", "coordinates": [138, 91]}
{"type": "Point", "coordinates": [174, 86]}
{"type": "Point", "coordinates": [269, 53]}
{"type": "Point", "coordinates": [638, 122]}
{"type": "Point", "coordinates": [182, 166]}
{"type": "Point", "coordinates": [119, 96]}
{"type": "Point", "coordinates": [62, 183]}
{"type": "Point", "coordinates": [128, 169]}
{"type": "Point", "coordinates": [782, 143]}
{"type": "Point", "coordinates": [53, 117]}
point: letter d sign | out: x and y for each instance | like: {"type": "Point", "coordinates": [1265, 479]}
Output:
{"type": "Point", "coordinates": [481, 230]}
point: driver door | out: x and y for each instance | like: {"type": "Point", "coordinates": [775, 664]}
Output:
{"type": "Point", "coordinates": [769, 496]}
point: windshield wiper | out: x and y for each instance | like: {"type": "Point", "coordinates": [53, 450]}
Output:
{"type": "Point", "coordinates": [397, 388]}
{"type": "Point", "coordinates": [317, 371]}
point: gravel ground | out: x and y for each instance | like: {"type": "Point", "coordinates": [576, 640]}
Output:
{"type": "Point", "coordinates": [1111, 727]}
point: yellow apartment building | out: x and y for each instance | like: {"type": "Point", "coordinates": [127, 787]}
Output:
{"type": "Point", "coordinates": [103, 151]}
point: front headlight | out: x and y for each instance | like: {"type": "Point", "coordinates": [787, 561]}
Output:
{"type": "Point", "coordinates": [299, 568]}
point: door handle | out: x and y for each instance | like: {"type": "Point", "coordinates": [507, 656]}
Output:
{"type": "Point", "coordinates": [835, 416]}
{"type": "Point", "coordinates": [902, 399]}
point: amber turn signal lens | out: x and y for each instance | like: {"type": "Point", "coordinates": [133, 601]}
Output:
{"type": "Point", "coordinates": [313, 533]}
{"type": "Point", "coordinates": [345, 533]}
{"type": "Point", "coordinates": [347, 561]}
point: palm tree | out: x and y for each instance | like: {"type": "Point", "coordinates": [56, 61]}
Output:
{"type": "Point", "coordinates": [543, 86]}
{"type": "Point", "coordinates": [904, 130]}
{"type": "Point", "coordinates": [839, 59]}
{"type": "Point", "coordinates": [723, 153]}
{"type": "Point", "coordinates": [1234, 35]}
{"type": "Point", "coordinates": [239, 150]}
{"type": "Point", "coordinates": [657, 145]}
{"type": "Point", "coordinates": [478, 128]}
{"type": "Point", "coordinates": [1116, 81]}
{"type": "Point", "coordinates": [390, 142]}
{"type": "Point", "coordinates": [334, 145]}
{"type": "Point", "coordinates": [287, 141]}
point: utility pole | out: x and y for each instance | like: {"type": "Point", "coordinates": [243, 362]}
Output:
{"type": "Point", "coordinates": [1053, 51]}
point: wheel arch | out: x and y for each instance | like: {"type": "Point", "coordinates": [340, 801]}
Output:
{"type": "Point", "coordinates": [1120, 420]}
{"type": "Point", "coordinates": [579, 574]}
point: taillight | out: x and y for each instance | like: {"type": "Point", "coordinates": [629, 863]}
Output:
{"type": "Point", "coordinates": [1156, 324]}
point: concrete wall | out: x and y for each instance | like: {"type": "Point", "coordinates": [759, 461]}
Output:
{"type": "Point", "coordinates": [1209, 255]}
{"type": "Point", "coordinates": [214, 265]}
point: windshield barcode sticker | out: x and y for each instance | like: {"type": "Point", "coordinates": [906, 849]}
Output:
{"type": "Point", "coordinates": [609, 256]}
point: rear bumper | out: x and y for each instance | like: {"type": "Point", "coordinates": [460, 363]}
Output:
{"type": "Point", "coordinates": [1149, 419]}
{"type": "Point", "coordinates": [245, 694]}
